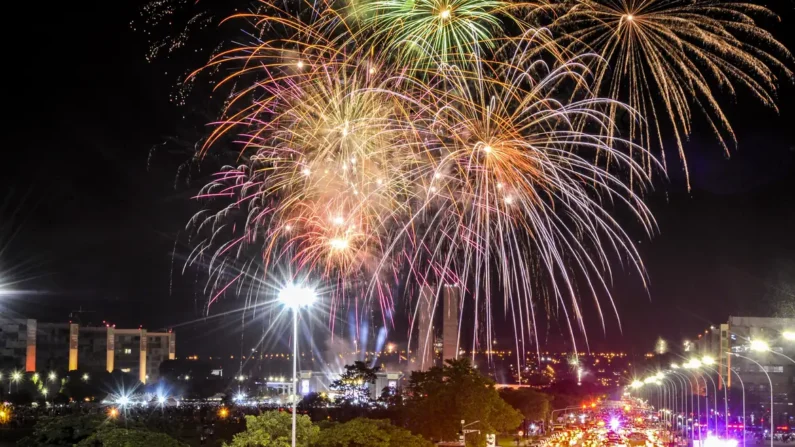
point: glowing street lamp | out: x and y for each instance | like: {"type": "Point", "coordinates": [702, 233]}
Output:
{"type": "Point", "coordinates": [789, 335]}
{"type": "Point", "coordinates": [52, 376]}
{"type": "Point", "coordinates": [636, 384]}
{"type": "Point", "coordinates": [693, 364]}
{"type": "Point", "coordinates": [707, 360]}
{"type": "Point", "coordinates": [85, 377]}
{"type": "Point", "coordinates": [759, 346]}
{"type": "Point", "coordinates": [295, 297]}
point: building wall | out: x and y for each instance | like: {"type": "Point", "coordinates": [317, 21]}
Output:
{"type": "Point", "coordinates": [52, 346]}
{"type": "Point", "coordinates": [13, 342]}
{"type": "Point", "coordinates": [92, 345]}
{"type": "Point", "coordinates": [43, 347]}
{"type": "Point", "coordinates": [752, 366]}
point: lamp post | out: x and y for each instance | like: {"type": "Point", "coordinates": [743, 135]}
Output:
{"type": "Point", "coordinates": [763, 346]}
{"type": "Point", "coordinates": [707, 362]}
{"type": "Point", "coordinates": [743, 388]}
{"type": "Point", "coordinates": [770, 382]}
{"type": "Point", "coordinates": [295, 297]}
{"type": "Point", "coordinates": [16, 376]}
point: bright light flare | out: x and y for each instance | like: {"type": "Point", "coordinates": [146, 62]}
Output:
{"type": "Point", "coordinates": [707, 360]}
{"type": "Point", "coordinates": [296, 297]}
{"type": "Point", "coordinates": [789, 335]}
{"type": "Point", "coordinates": [759, 346]}
{"type": "Point", "coordinates": [693, 364]}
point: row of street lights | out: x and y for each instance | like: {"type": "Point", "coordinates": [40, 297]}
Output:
{"type": "Point", "coordinates": [697, 366]}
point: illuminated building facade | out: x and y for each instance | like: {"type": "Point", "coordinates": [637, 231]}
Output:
{"type": "Point", "coordinates": [320, 382]}
{"type": "Point", "coordinates": [37, 346]}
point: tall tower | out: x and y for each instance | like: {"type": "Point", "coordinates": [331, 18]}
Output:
{"type": "Point", "coordinates": [452, 303]}
{"type": "Point", "coordinates": [425, 323]}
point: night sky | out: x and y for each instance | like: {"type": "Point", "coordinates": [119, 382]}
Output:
{"type": "Point", "coordinates": [96, 212]}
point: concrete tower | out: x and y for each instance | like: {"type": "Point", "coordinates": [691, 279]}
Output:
{"type": "Point", "coordinates": [425, 324]}
{"type": "Point", "coordinates": [452, 303]}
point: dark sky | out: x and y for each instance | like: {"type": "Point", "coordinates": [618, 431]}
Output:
{"type": "Point", "coordinates": [98, 215]}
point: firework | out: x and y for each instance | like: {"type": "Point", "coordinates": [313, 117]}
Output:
{"type": "Point", "coordinates": [395, 146]}
{"type": "Point", "coordinates": [666, 57]}
{"type": "Point", "coordinates": [366, 174]}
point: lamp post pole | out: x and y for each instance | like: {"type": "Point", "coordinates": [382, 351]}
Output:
{"type": "Point", "coordinates": [295, 369]}
{"type": "Point", "coordinates": [296, 297]}
{"type": "Point", "coordinates": [770, 382]}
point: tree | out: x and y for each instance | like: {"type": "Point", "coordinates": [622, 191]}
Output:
{"type": "Point", "coordinates": [354, 383]}
{"type": "Point", "coordinates": [440, 398]}
{"type": "Point", "coordinates": [313, 401]}
{"type": "Point", "coordinates": [532, 404]}
{"type": "Point", "coordinates": [63, 431]}
{"type": "Point", "coordinates": [273, 429]}
{"type": "Point", "coordinates": [363, 432]}
{"type": "Point", "coordinates": [122, 437]}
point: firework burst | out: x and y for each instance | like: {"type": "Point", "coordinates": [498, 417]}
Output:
{"type": "Point", "coordinates": [393, 146]}
{"type": "Point", "coordinates": [666, 57]}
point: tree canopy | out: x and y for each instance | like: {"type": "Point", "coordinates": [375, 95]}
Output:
{"type": "Point", "coordinates": [363, 432]}
{"type": "Point", "coordinates": [354, 383]}
{"type": "Point", "coordinates": [532, 404]}
{"type": "Point", "coordinates": [274, 429]}
{"type": "Point", "coordinates": [440, 398]}
{"type": "Point", "coordinates": [122, 437]}
{"type": "Point", "coordinates": [93, 431]}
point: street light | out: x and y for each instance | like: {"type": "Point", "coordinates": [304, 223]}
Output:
{"type": "Point", "coordinates": [789, 335]}
{"type": "Point", "coordinates": [759, 346]}
{"type": "Point", "coordinates": [295, 297]}
{"type": "Point", "coordinates": [52, 376]}
{"type": "Point", "coordinates": [692, 364]}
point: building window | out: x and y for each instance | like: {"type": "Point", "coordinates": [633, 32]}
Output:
{"type": "Point", "coordinates": [127, 351]}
